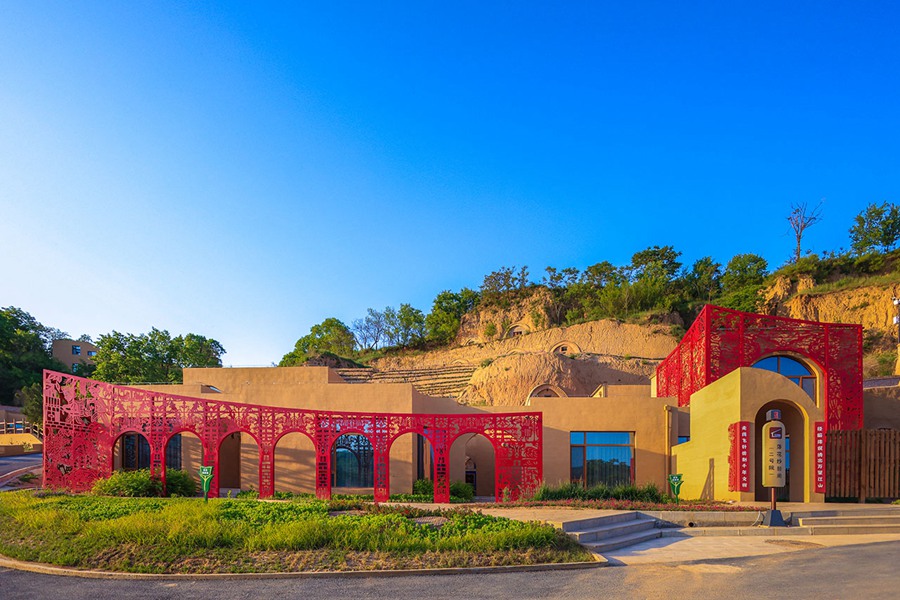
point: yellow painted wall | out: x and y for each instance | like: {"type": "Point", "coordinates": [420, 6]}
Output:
{"type": "Point", "coordinates": [739, 396]}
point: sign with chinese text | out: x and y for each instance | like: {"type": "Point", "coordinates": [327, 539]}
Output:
{"type": "Point", "coordinates": [819, 446]}
{"type": "Point", "coordinates": [773, 454]}
{"type": "Point", "coordinates": [739, 462]}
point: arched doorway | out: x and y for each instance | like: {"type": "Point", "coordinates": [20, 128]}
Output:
{"type": "Point", "coordinates": [131, 451]}
{"type": "Point", "coordinates": [795, 452]}
{"type": "Point", "coordinates": [352, 463]}
{"type": "Point", "coordinates": [184, 452]}
{"type": "Point", "coordinates": [412, 459]}
{"type": "Point", "coordinates": [295, 464]}
{"type": "Point", "coordinates": [249, 461]}
{"type": "Point", "coordinates": [230, 464]}
{"type": "Point", "coordinates": [472, 457]}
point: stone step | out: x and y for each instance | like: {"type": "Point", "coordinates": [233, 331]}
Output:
{"type": "Point", "coordinates": [613, 530]}
{"type": "Point", "coordinates": [850, 520]}
{"type": "Point", "coordinates": [594, 522]}
{"type": "Point", "coordinates": [623, 541]}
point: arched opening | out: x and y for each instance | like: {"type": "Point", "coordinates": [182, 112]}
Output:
{"type": "Point", "coordinates": [566, 348]}
{"type": "Point", "coordinates": [795, 452]}
{"type": "Point", "coordinates": [793, 369]}
{"type": "Point", "coordinates": [184, 452]}
{"type": "Point", "coordinates": [472, 457]}
{"type": "Point", "coordinates": [249, 462]}
{"type": "Point", "coordinates": [230, 464]}
{"type": "Point", "coordinates": [131, 451]}
{"type": "Point", "coordinates": [412, 459]}
{"type": "Point", "coordinates": [515, 331]}
{"type": "Point", "coordinates": [352, 463]}
{"type": "Point", "coordinates": [546, 390]}
{"type": "Point", "coordinates": [295, 464]}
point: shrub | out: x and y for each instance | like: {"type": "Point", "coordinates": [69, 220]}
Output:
{"type": "Point", "coordinates": [423, 487]}
{"type": "Point", "coordinates": [490, 330]}
{"type": "Point", "coordinates": [572, 491]}
{"type": "Point", "coordinates": [139, 484]}
{"type": "Point", "coordinates": [462, 490]}
{"type": "Point", "coordinates": [180, 483]}
{"type": "Point", "coordinates": [129, 483]}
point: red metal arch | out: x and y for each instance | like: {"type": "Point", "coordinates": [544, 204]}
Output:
{"type": "Point", "coordinates": [84, 418]}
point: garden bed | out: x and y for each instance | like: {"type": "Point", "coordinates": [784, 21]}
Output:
{"type": "Point", "coordinates": [187, 535]}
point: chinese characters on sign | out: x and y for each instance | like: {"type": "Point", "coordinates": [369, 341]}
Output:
{"type": "Point", "coordinates": [773, 454]}
{"type": "Point", "coordinates": [740, 456]}
{"type": "Point", "coordinates": [820, 456]}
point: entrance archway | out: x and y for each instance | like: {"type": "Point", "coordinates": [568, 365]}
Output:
{"type": "Point", "coordinates": [352, 463]}
{"type": "Point", "coordinates": [295, 464]}
{"type": "Point", "coordinates": [412, 458]}
{"type": "Point", "coordinates": [131, 451]}
{"type": "Point", "coordinates": [795, 455]}
{"type": "Point", "coordinates": [472, 457]}
{"type": "Point", "coordinates": [230, 464]}
{"type": "Point", "coordinates": [184, 452]}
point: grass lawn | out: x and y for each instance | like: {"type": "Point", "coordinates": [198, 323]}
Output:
{"type": "Point", "coordinates": [186, 535]}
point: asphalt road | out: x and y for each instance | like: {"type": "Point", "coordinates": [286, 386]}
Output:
{"type": "Point", "coordinates": [857, 572]}
{"type": "Point", "coordinates": [11, 463]}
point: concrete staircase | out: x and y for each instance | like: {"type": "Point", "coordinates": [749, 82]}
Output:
{"type": "Point", "coordinates": [853, 522]}
{"type": "Point", "coordinates": [611, 532]}
{"type": "Point", "coordinates": [441, 382]}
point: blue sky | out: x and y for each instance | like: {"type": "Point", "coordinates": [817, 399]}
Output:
{"type": "Point", "coordinates": [243, 171]}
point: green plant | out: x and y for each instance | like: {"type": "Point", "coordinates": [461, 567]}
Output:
{"type": "Point", "coordinates": [486, 362]}
{"type": "Point", "coordinates": [129, 484]}
{"type": "Point", "coordinates": [180, 483]}
{"type": "Point", "coordinates": [462, 490]}
{"type": "Point", "coordinates": [423, 487]}
{"type": "Point", "coordinates": [27, 447]}
{"type": "Point", "coordinates": [490, 330]}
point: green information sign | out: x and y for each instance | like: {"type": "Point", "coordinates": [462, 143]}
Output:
{"type": "Point", "coordinates": [206, 474]}
{"type": "Point", "coordinates": [675, 481]}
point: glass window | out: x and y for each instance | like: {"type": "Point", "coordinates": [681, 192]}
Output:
{"type": "Point", "coordinates": [92, 353]}
{"type": "Point", "coordinates": [76, 350]}
{"type": "Point", "coordinates": [793, 369]}
{"type": "Point", "coordinates": [352, 462]}
{"type": "Point", "coordinates": [683, 438]}
{"type": "Point", "coordinates": [602, 457]}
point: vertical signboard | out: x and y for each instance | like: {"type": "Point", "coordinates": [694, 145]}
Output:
{"type": "Point", "coordinates": [740, 457]}
{"type": "Point", "coordinates": [773, 439]}
{"type": "Point", "coordinates": [819, 433]}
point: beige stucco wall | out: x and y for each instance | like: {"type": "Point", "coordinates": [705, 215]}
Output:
{"type": "Point", "coordinates": [740, 396]}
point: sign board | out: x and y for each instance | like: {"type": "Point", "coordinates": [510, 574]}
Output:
{"type": "Point", "coordinates": [675, 481]}
{"type": "Point", "coordinates": [820, 456]}
{"type": "Point", "coordinates": [206, 475]}
{"type": "Point", "coordinates": [773, 454]}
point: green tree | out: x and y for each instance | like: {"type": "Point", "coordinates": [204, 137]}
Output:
{"type": "Point", "coordinates": [741, 282]}
{"type": "Point", "coordinates": [153, 357]}
{"type": "Point", "coordinates": [442, 323]}
{"type": "Point", "coordinates": [744, 270]}
{"type": "Point", "coordinates": [704, 279]}
{"type": "Point", "coordinates": [411, 325]}
{"type": "Point", "coordinates": [876, 228]}
{"type": "Point", "coordinates": [331, 335]}
{"type": "Point", "coordinates": [559, 282]}
{"type": "Point", "coordinates": [24, 352]}
{"type": "Point", "coordinates": [33, 402]}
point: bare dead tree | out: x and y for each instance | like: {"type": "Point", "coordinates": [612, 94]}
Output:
{"type": "Point", "coordinates": [801, 218]}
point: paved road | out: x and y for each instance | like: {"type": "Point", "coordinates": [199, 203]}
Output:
{"type": "Point", "coordinates": [11, 463]}
{"type": "Point", "coordinates": [867, 571]}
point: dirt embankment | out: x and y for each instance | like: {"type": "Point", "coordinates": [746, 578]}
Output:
{"type": "Point", "coordinates": [872, 307]}
{"type": "Point", "coordinates": [608, 338]}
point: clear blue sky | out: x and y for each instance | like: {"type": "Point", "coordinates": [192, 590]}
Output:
{"type": "Point", "coordinates": [243, 171]}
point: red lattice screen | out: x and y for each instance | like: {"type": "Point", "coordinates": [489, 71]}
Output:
{"type": "Point", "coordinates": [722, 340]}
{"type": "Point", "coordinates": [84, 418]}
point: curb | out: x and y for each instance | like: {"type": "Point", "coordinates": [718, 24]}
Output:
{"type": "Point", "coordinates": [18, 565]}
{"type": "Point", "coordinates": [7, 477]}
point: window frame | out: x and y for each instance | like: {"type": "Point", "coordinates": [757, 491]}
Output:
{"type": "Point", "coordinates": [585, 444]}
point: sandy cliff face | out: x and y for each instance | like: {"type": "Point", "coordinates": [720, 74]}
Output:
{"type": "Point", "coordinates": [872, 307]}
{"type": "Point", "coordinates": [609, 338]}
{"type": "Point", "coordinates": [509, 380]}
{"type": "Point", "coordinates": [530, 313]}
